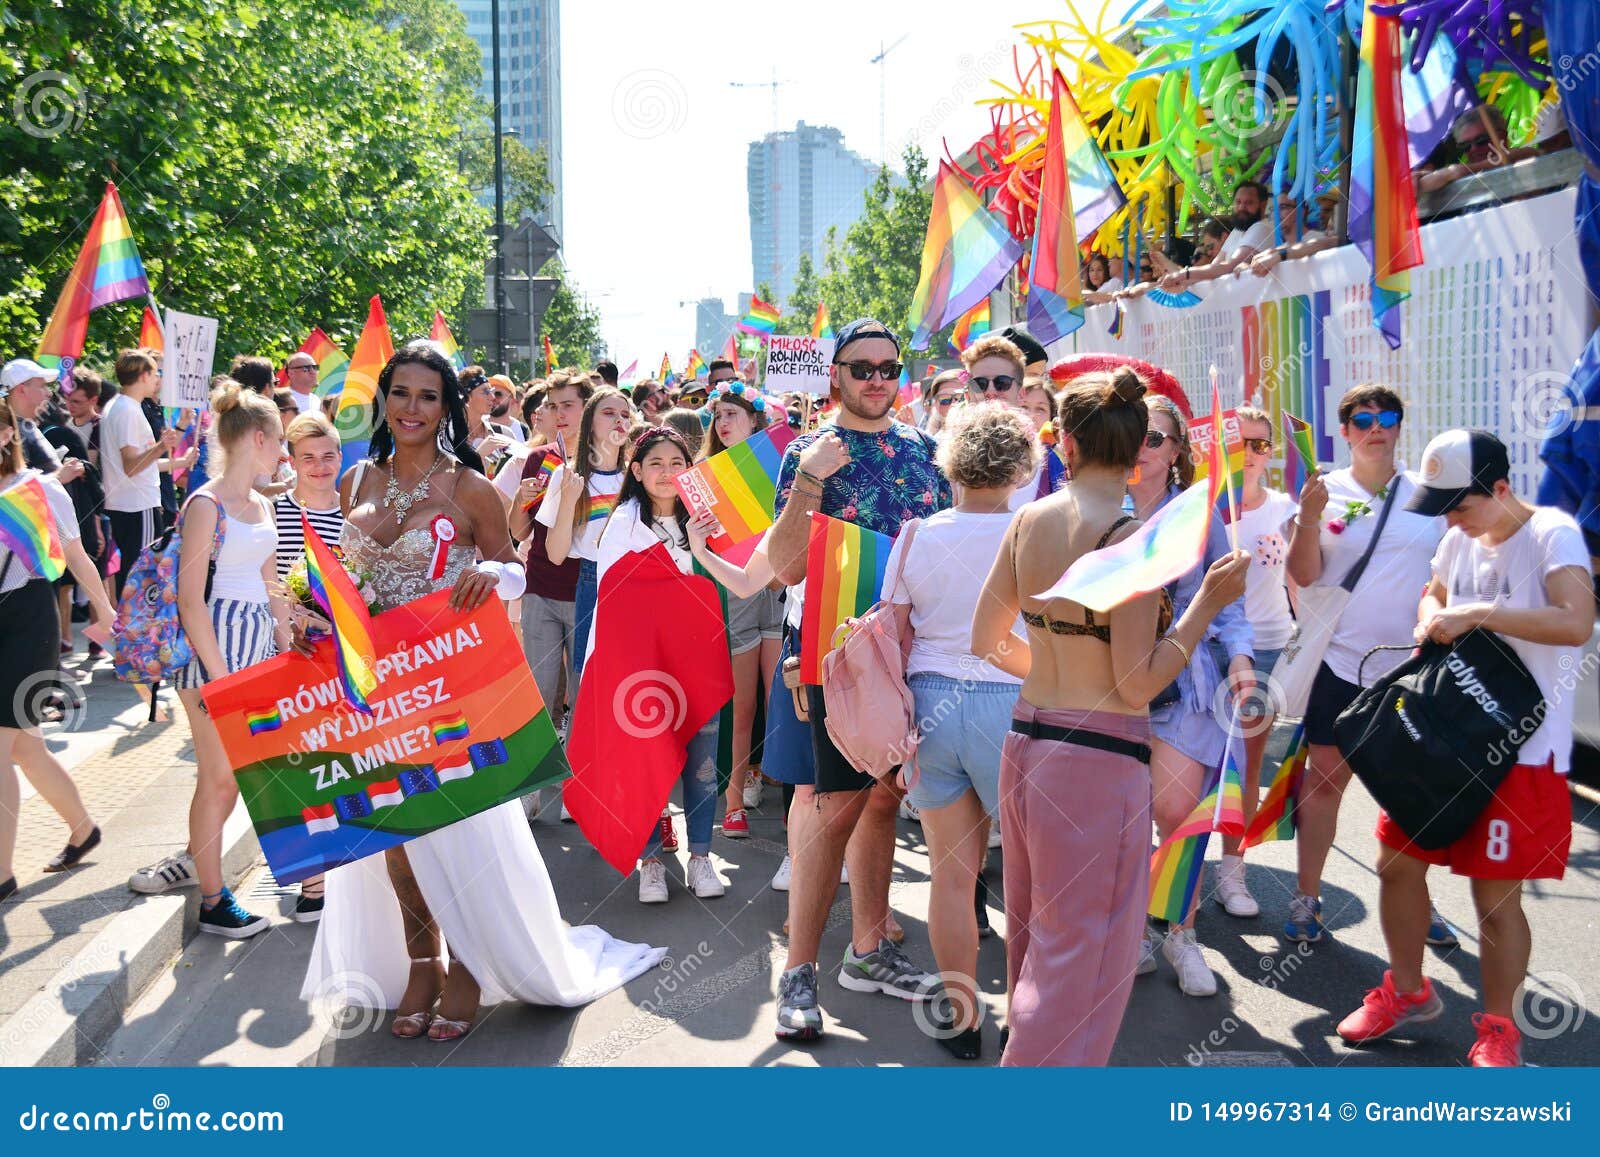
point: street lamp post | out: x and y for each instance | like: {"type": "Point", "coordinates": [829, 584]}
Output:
{"type": "Point", "coordinates": [499, 196]}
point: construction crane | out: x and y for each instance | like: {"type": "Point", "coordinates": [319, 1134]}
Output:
{"type": "Point", "coordinates": [774, 184]}
{"type": "Point", "coordinates": [774, 84]}
{"type": "Point", "coordinates": [881, 60]}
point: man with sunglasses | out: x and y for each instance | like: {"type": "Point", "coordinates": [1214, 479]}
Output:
{"type": "Point", "coordinates": [488, 404]}
{"type": "Point", "coordinates": [1477, 143]}
{"type": "Point", "coordinates": [301, 370]}
{"type": "Point", "coordinates": [878, 473]}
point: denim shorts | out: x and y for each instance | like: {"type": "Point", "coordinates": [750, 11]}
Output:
{"type": "Point", "coordinates": [1264, 660]}
{"type": "Point", "coordinates": [964, 726]}
{"type": "Point", "coordinates": [786, 746]}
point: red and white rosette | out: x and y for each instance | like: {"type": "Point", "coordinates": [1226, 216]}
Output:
{"type": "Point", "coordinates": [444, 533]}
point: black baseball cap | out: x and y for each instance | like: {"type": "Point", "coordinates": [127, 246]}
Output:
{"type": "Point", "coordinates": [1458, 463]}
{"type": "Point", "coordinates": [1032, 350]}
{"type": "Point", "coordinates": [859, 330]}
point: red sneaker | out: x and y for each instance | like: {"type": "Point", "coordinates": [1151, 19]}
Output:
{"type": "Point", "coordinates": [735, 826]}
{"type": "Point", "coordinates": [669, 837]}
{"type": "Point", "coordinates": [1499, 1043]}
{"type": "Point", "coordinates": [1383, 1010]}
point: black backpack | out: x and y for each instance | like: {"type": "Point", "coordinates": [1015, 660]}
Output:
{"type": "Point", "coordinates": [1433, 740]}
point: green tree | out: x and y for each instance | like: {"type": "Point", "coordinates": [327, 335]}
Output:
{"type": "Point", "coordinates": [571, 323]}
{"type": "Point", "coordinates": [803, 298]}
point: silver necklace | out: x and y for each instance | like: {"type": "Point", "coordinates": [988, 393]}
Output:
{"type": "Point", "coordinates": [401, 501]}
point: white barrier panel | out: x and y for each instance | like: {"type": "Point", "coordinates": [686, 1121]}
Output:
{"type": "Point", "coordinates": [1496, 319]}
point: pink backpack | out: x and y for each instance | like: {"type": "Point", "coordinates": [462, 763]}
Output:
{"type": "Point", "coordinates": [871, 716]}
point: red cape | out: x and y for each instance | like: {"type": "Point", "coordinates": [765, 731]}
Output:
{"type": "Point", "coordinates": [655, 677]}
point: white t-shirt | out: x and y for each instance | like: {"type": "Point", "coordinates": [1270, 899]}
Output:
{"type": "Point", "coordinates": [61, 511]}
{"type": "Point", "coordinates": [1383, 608]}
{"type": "Point", "coordinates": [1111, 285]}
{"type": "Point", "coordinates": [124, 424]}
{"type": "Point", "coordinates": [1512, 575]}
{"type": "Point", "coordinates": [603, 490]}
{"type": "Point", "coordinates": [1257, 237]}
{"type": "Point", "coordinates": [944, 576]}
{"type": "Point", "coordinates": [1029, 490]}
{"type": "Point", "coordinates": [306, 401]}
{"type": "Point", "coordinates": [1266, 597]}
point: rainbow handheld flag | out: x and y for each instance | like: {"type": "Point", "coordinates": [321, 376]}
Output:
{"type": "Point", "coordinates": [1167, 546]}
{"type": "Point", "coordinates": [1055, 292]}
{"type": "Point", "coordinates": [696, 364]}
{"type": "Point", "coordinates": [1229, 817]}
{"type": "Point", "coordinates": [966, 253]}
{"type": "Point", "coordinates": [1115, 328]}
{"type": "Point", "coordinates": [352, 627]}
{"type": "Point", "coordinates": [28, 529]}
{"type": "Point", "coordinates": [906, 392]}
{"type": "Point", "coordinates": [970, 326]}
{"type": "Point", "coordinates": [1224, 460]}
{"type": "Point", "coordinates": [150, 335]}
{"type": "Point", "coordinates": [357, 415]}
{"type": "Point", "coordinates": [549, 357]}
{"type": "Point", "coordinates": [1177, 865]}
{"type": "Point", "coordinates": [108, 269]}
{"type": "Point", "coordinates": [822, 324]}
{"type": "Point", "coordinates": [1275, 820]}
{"type": "Point", "coordinates": [1383, 198]}
{"type": "Point", "coordinates": [446, 340]}
{"type": "Point", "coordinates": [1299, 457]}
{"type": "Point", "coordinates": [666, 375]}
{"type": "Point", "coordinates": [731, 350]}
{"type": "Point", "coordinates": [332, 365]}
{"type": "Point", "coordinates": [844, 575]}
{"type": "Point", "coordinates": [761, 318]}
{"type": "Point", "coordinates": [739, 486]}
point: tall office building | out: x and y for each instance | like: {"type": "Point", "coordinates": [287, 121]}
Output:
{"type": "Point", "coordinates": [801, 183]}
{"type": "Point", "coordinates": [530, 79]}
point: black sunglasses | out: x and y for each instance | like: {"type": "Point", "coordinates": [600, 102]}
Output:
{"type": "Point", "coordinates": [1155, 439]}
{"type": "Point", "coordinates": [1001, 383]}
{"type": "Point", "coordinates": [863, 371]}
{"type": "Point", "coordinates": [1258, 445]}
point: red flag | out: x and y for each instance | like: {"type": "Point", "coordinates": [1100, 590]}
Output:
{"type": "Point", "coordinates": [649, 685]}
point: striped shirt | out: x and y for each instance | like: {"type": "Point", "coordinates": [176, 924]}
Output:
{"type": "Point", "coordinates": [328, 524]}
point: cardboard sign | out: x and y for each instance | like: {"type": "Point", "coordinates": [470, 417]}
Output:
{"type": "Point", "coordinates": [457, 727]}
{"type": "Point", "coordinates": [1200, 440]}
{"type": "Point", "coordinates": [186, 366]}
{"type": "Point", "coordinates": [798, 365]}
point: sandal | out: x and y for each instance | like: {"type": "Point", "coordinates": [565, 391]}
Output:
{"type": "Point", "coordinates": [7, 887]}
{"type": "Point", "coordinates": [444, 1029]}
{"type": "Point", "coordinates": [412, 1025]}
{"type": "Point", "coordinates": [69, 856]}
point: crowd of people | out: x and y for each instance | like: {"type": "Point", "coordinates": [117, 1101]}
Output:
{"type": "Point", "coordinates": [1068, 738]}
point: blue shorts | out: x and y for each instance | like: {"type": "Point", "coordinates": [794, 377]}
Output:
{"type": "Point", "coordinates": [1264, 660]}
{"type": "Point", "coordinates": [786, 747]}
{"type": "Point", "coordinates": [963, 725]}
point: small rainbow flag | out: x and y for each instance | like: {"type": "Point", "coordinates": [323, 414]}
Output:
{"type": "Point", "coordinates": [845, 565]}
{"type": "Point", "coordinates": [150, 335]}
{"type": "Point", "coordinates": [761, 318]}
{"type": "Point", "coordinates": [332, 365]}
{"type": "Point", "coordinates": [1229, 817]}
{"type": "Point", "coordinates": [970, 326]}
{"type": "Point", "coordinates": [352, 627]}
{"type": "Point", "coordinates": [28, 530]}
{"type": "Point", "coordinates": [1299, 456]}
{"type": "Point", "coordinates": [1275, 820]}
{"type": "Point", "coordinates": [665, 374]}
{"type": "Point", "coordinates": [108, 269]}
{"type": "Point", "coordinates": [601, 506]}
{"type": "Point", "coordinates": [739, 485]}
{"type": "Point", "coordinates": [907, 392]}
{"type": "Point", "coordinates": [822, 324]}
{"type": "Point", "coordinates": [1055, 291]}
{"type": "Point", "coordinates": [966, 253]}
{"type": "Point", "coordinates": [356, 417]}
{"type": "Point", "coordinates": [446, 340]}
{"type": "Point", "coordinates": [1224, 461]}
{"type": "Point", "coordinates": [696, 364]}
{"type": "Point", "coordinates": [549, 357]}
{"type": "Point", "coordinates": [449, 729]}
{"type": "Point", "coordinates": [260, 721]}
{"type": "Point", "coordinates": [1176, 866]}
{"type": "Point", "coordinates": [1115, 328]}
{"type": "Point", "coordinates": [731, 350]}
{"type": "Point", "coordinates": [1167, 546]}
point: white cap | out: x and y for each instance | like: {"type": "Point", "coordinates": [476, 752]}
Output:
{"type": "Point", "coordinates": [22, 370]}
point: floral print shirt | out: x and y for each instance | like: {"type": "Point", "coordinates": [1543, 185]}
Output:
{"type": "Point", "coordinates": [890, 479]}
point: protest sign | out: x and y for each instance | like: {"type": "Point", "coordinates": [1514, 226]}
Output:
{"type": "Point", "coordinates": [739, 486]}
{"type": "Point", "coordinates": [457, 727]}
{"type": "Point", "coordinates": [798, 365]}
{"type": "Point", "coordinates": [191, 345]}
{"type": "Point", "coordinates": [1200, 440]}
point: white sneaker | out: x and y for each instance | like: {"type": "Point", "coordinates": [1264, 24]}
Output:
{"type": "Point", "coordinates": [1147, 954]}
{"type": "Point", "coordinates": [844, 873]}
{"type": "Point", "coordinates": [652, 882]}
{"type": "Point", "coordinates": [1195, 977]}
{"type": "Point", "coordinates": [703, 879]}
{"type": "Point", "coordinates": [566, 816]}
{"type": "Point", "coordinates": [994, 834]}
{"type": "Point", "coordinates": [1232, 892]}
{"type": "Point", "coordinates": [752, 792]}
{"type": "Point", "coordinates": [910, 811]}
{"type": "Point", "coordinates": [173, 872]}
{"type": "Point", "coordinates": [780, 878]}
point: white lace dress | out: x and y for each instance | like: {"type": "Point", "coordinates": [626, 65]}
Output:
{"type": "Point", "coordinates": [483, 877]}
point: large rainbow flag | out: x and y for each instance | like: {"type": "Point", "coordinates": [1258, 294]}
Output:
{"type": "Point", "coordinates": [1055, 292]}
{"type": "Point", "coordinates": [970, 326]}
{"type": "Point", "coordinates": [844, 574]}
{"type": "Point", "coordinates": [446, 341]}
{"type": "Point", "coordinates": [1383, 199]}
{"type": "Point", "coordinates": [108, 269]}
{"type": "Point", "coordinates": [1275, 819]}
{"type": "Point", "coordinates": [28, 530]}
{"type": "Point", "coordinates": [966, 253]}
{"type": "Point", "coordinates": [761, 318]}
{"type": "Point", "coordinates": [352, 626]}
{"type": "Point", "coordinates": [739, 485]}
{"type": "Point", "coordinates": [1299, 455]}
{"type": "Point", "coordinates": [357, 415]}
{"type": "Point", "coordinates": [1167, 546]}
{"type": "Point", "coordinates": [332, 365]}
{"type": "Point", "coordinates": [821, 323]}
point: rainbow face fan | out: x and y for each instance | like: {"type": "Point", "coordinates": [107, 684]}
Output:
{"type": "Point", "coordinates": [28, 530]}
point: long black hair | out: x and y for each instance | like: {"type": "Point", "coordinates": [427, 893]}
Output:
{"type": "Point", "coordinates": [633, 488]}
{"type": "Point", "coordinates": [452, 430]}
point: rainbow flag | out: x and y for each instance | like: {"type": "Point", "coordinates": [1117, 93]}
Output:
{"type": "Point", "coordinates": [357, 415]}
{"type": "Point", "coordinates": [150, 335]}
{"type": "Point", "coordinates": [844, 574]}
{"type": "Point", "coordinates": [1055, 292]}
{"type": "Point", "coordinates": [601, 506]}
{"type": "Point", "coordinates": [1275, 820]}
{"type": "Point", "coordinates": [822, 324]}
{"type": "Point", "coordinates": [1167, 546]}
{"type": "Point", "coordinates": [1224, 462]}
{"type": "Point", "coordinates": [1299, 456]}
{"type": "Point", "coordinates": [1176, 866]}
{"type": "Point", "coordinates": [549, 357]}
{"type": "Point", "coordinates": [450, 728]}
{"type": "Point", "coordinates": [446, 341]}
{"type": "Point", "coordinates": [907, 392]}
{"type": "Point", "coordinates": [739, 485]}
{"type": "Point", "coordinates": [28, 530]}
{"type": "Point", "coordinates": [1383, 198]}
{"type": "Point", "coordinates": [332, 365]}
{"type": "Point", "coordinates": [761, 318]}
{"type": "Point", "coordinates": [731, 351]}
{"type": "Point", "coordinates": [1115, 328]}
{"type": "Point", "coordinates": [352, 627]}
{"type": "Point", "coordinates": [665, 374]}
{"type": "Point", "coordinates": [696, 364]}
{"type": "Point", "coordinates": [108, 269]}
{"type": "Point", "coordinates": [966, 253]}
{"type": "Point", "coordinates": [1229, 816]}
{"type": "Point", "coordinates": [1096, 195]}
{"type": "Point", "coordinates": [261, 721]}
{"type": "Point", "coordinates": [970, 326]}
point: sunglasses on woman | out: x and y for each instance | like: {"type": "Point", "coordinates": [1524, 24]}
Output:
{"type": "Point", "coordinates": [1383, 419]}
{"type": "Point", "coordinates": [863, 371]}
{"type": "Point", "coordinates": [1155, 439]}
{"type": "Point", "coordinates": [946, 401]}
{"type": "Point", "coordinates": [1002, 383]}
{"type": "Point", "coordinates": [1258, 445]}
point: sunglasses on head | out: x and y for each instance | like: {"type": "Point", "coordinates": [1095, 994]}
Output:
{"type": "Point", "coordinates": [1258, 445]}
{"type": "Point", "coordinates": [1383, 419]}
{"type": "Point", "coordinates": [863, 371]}
{"type": "Point", "coordinates": [1001, 383]}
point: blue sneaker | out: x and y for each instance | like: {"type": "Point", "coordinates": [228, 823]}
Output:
{"type": "Point", "coordinates": [1441, 933]}
{"type": "Point", "coordinates": [228, 918]}
{"type": "Point", "coordinates": [1305, 919]}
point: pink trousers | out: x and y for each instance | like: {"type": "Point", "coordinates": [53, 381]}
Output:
{"type": "Point", "coordinates": [1076, 825]}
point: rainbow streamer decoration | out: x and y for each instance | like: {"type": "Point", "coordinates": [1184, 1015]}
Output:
{"type": "Point", "coordinates": [352, 627]}
{"type": "Point", "coordinates": [28, 530]}
{"type": "Point", "coordinates": [1275, 820]}
{"type": "Point", "coordinates": [332, 365]}
{"type": "Point", "coordinates": [1055, 292]}
{"type": "Point", "coordinates": [739, 485]}
{"type": "Point", "coordinates": [450, 729]}
{"type": "Point", "coordinates": [1299, 456]}
{"type": "Point", "coordinates": [1161, 550]}
{"type": "Point", "coordinates": [150, 335]}
{"type": "Point", "coordinates": [108, 270]}
{"type": "Point", "coordinates": [845, 565]}
{"type": "Point", "coordinates": [696, 364]}
{"type": "Point", "coordinates": [821, 323]}
{"type": "Point", "coordinates": [446, 341]}
{"type": "Point", "coordinates": [970, 326]}
{"type": "Point", "coordinates": [966, 253]}
{"type": "Point", "coordinates": [1383, 198]}
{"type": "Point", "coordinates": [761, 318]}
{"type": "Point", "coordinates": [263, 721]}
{"type": "Point", "coordinates": [357, 415]}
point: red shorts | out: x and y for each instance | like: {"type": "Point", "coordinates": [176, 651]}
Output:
{"type": "Point", "coordinates": [1524, 833]}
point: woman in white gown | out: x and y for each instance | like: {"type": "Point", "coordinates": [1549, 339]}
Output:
{"type": "Point", "coordinates": [478, 887]}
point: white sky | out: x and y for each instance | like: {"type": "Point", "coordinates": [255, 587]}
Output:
{"type": "Point", "coordinates": [655, 138]}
